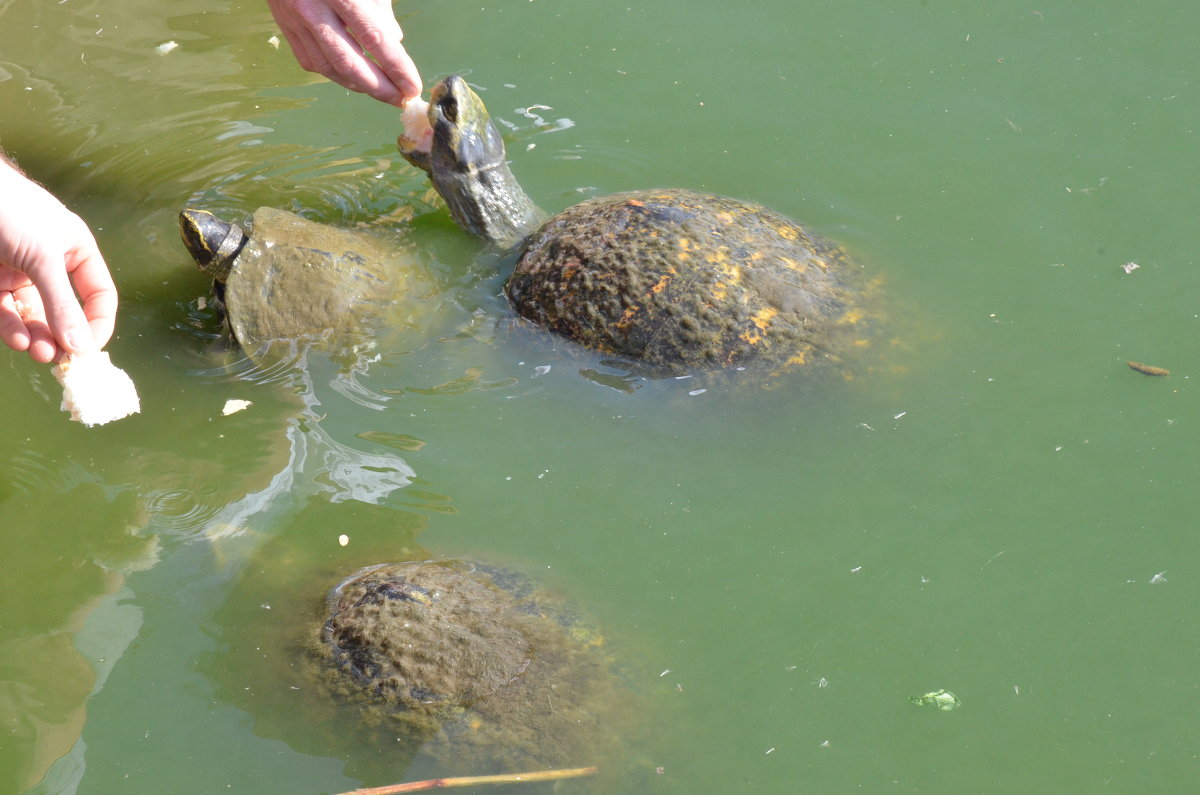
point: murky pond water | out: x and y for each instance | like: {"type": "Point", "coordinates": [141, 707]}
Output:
{"type": "Point", "coordinates": [993, 504]}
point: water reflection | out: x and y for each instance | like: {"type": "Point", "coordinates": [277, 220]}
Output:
{"type": "Point", "coordinates": [131, 506]}
{"type": "Point", "coordinates": [69, 568]}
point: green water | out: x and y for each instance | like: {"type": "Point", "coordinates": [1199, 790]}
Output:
{"type": "Point", "coordinates": [983, 509]}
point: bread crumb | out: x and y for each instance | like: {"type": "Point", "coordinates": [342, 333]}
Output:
{"type": "Point", "coordinates": [234, 406]}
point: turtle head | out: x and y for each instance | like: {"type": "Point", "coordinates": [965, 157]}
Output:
{"type": "Point", "coordinates": [466, 162]}
{"type": "Point", "coordinates": [464, 136]}
{"type": "Point", "coordinates": [456, 136]}
{"type": "Point", "coordinates": [213, 243]}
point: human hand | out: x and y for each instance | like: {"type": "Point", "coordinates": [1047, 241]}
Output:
{"type": "Point", "coordinates": [333, 38]}
{"type": "Point", "coordinates": [44, 249]}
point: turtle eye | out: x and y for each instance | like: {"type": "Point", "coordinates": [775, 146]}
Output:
{"type": "Point", "coordinates": [450, 109]}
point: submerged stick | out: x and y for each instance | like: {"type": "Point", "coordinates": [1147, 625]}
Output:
{"type": "Point", "coordinates": [471, 781]}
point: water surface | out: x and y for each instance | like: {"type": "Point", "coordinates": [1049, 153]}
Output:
{"type": "Point", "coordinates": [997, 506]}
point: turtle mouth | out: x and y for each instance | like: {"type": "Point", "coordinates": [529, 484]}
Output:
{"type": "Point", "coordinates": [417, 139]}
{"type": "Point", "coordinates": [452, 133]}
{"type": "Point", "coordinates": [431, 124]}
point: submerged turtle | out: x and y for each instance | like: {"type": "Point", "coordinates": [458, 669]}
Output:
{"type": "Point", "coordinates": [475, 663]}
{"type": "Point", "coordinates": [289, 279]}
{"type": "Point", "coordinates": [669, 281]}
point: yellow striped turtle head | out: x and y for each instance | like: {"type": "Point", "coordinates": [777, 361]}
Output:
{"type": "Point", "coordinates": [213, 243]}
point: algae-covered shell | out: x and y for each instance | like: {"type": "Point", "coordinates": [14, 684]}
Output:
{"type": "Point", "coordinates": [292, 279]}
{"type": "Point", "coordinates": [472, 662]}
{"type": "Point", "coordinates": [435, 635]}
{"type": "Point", "coordinates": [676, 281]}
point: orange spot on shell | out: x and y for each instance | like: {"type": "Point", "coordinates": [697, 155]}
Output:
{"type": "Point", "coordinates": [851, 316]}
{"type": "Point", "coordinates": [762, 321]}
{"type": "Point", "coordinates": [662, 283]}
{"type": "Point", "coordinates": [628, 317]}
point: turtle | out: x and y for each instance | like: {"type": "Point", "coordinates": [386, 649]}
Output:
{"type": "Point", "coordinates": [471, 662]}
{"type": "Point", "coordinates": [289, 280]}
{"type": "Point", "coordinates": [666, 281]}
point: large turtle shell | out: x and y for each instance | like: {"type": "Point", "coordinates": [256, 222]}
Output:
{"type": "Point", "coordinates": [427, 635]}
{"type": "Point", "coordinates": [478, 656]}
{"type": "Point", "coordinates": [298, 280]}
{"type": "Point", "coordinates": [674, 281]}
{"type": "Point", "coordinates": [434, 635]}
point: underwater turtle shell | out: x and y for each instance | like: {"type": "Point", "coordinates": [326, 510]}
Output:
{"type": "Point", "coordinates": [677, 281]}
{"type": "Point", "coordinates": [289, 279]}
{"type": "Point", "coordinates": [476, 656]}
{"type": "Point", "coordinates": [307, 654]}
{"type": "Point", "coordinates": [426, 636]}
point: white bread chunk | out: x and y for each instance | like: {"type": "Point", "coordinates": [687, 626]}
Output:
{"type": "Point", "coordinates": [418, 135]}
{"type": "Point", "coordinates": [96, 391]}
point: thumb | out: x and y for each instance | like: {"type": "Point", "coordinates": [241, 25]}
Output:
{"type": "Point", "coordinates": [63, 314]}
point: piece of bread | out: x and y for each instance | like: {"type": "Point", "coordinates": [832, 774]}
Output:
{"type": "Point", "coordinates": [96, 391]}
{"type": "Point", "coordinates": [418, 135]}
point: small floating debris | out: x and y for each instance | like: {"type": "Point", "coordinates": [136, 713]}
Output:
{"type": "Point", "coordinates": [343, 540]}
{"type": "Point", "coordinates": [1158, 578]}
{"type": "Point", "coordinates": [1130, 267]}
{"type": "Point", "coordinates": [274, 42]}
{"type": "Point", "coordinates": [942, 699]}
{"type": "Point", "coordinates": [166, 47]}
{"type": "Point", "coordinates": [234, 406]}
{"type": "Point", "coordinates": [1147, 369]}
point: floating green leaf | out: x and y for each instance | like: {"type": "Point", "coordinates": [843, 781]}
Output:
{"type": "Point", "coordinates": [942, 699]}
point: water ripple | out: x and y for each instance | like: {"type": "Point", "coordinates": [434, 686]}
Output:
{"type": "Point", "coordinates": [180, 510]}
